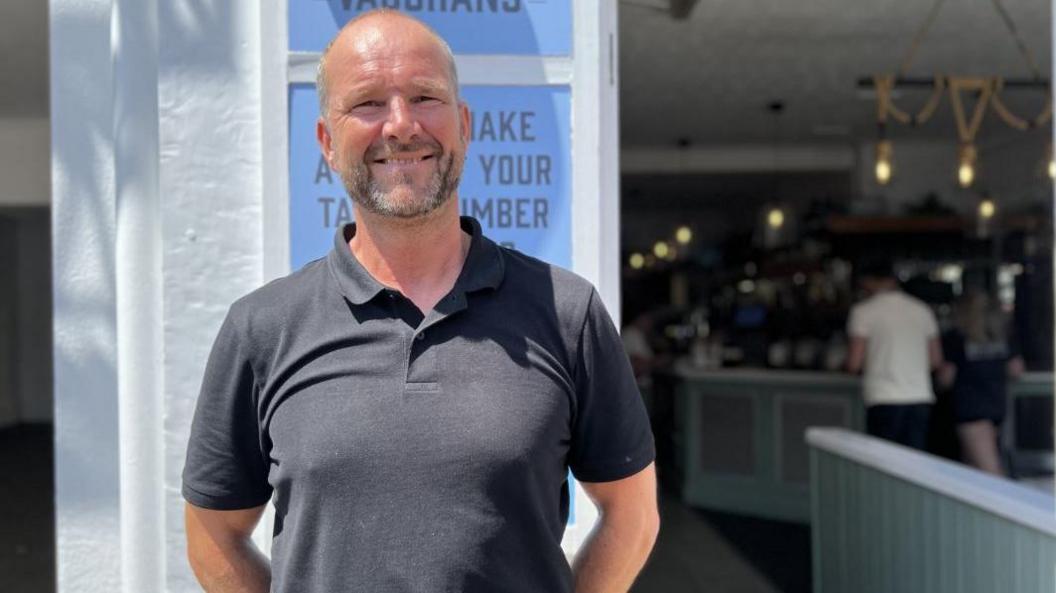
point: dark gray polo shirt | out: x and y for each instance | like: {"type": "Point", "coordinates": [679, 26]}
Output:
{"type": "Point", "coordinates": [409, 453]}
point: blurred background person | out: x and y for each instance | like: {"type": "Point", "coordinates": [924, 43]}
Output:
{"type": "Point", "coordinates": [894, 343]}
{"type": "Point", "coordinates": [980, 359]}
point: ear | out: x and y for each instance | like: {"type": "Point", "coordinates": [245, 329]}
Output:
{"type": "Point", "coordinates": [322, 135]}
{"type": "Point", "coordinates": [466, 118]}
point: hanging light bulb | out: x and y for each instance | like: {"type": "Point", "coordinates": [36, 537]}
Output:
{"type": "Point", "coordinates": [683, 235]}
{"type": "Point", "coordinates": [987, 209]}
{"type": "Point", "coordinates": [637, 260]}
{"type": "Point", "coordinates": [985, 217]}
{"type": "Point", "coordinates": [661, 249]}
{"type": "Point", "coordinates": [884, 168]}
{"type": "Point", "coordinates": [775, 218]}
{"type": "Point", "coordinates": [966, 159]}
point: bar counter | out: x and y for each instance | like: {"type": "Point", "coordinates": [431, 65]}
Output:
{"type": "Point", "coordinates": [739, 433]}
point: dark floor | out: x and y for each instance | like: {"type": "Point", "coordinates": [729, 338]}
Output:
{"type": "Point", "coordinates": [697, 551]}
{"type": "Point", "coordinates": [27, 518]}
{"type": "Point", "coordinates": [702, 551]}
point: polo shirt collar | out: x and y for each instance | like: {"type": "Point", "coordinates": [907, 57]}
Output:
{"type": "Point", "coordinates": [484, 267]}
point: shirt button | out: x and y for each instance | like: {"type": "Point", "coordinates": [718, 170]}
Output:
{"type": "Point", "coordinates": [420, 336]}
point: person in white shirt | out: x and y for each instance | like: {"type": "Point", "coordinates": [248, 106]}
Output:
{"type": "Point", "coordinates": [894, 343]}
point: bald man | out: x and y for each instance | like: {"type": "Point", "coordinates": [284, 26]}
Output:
{"type": "Point", "coordinates": [413, 402]}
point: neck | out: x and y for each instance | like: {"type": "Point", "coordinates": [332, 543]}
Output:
{"type": "Point", "coordinates": [420, 257]}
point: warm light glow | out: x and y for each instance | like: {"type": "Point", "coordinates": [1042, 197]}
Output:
{"type": "Point", "coordinates": [775, 218]}
{"type": "Point", "coordinates": [1052, 169]}
{"type": "Point", "coordinates": [987, 209]}
{"type": "Point", "coordinates": [637, 261]}
{"type": "Point", "coordinates": [684, 235]}
{"type": "Point", "coordinates": [672, 254]}
{"type": "Point", "coordinates": [966, 157]}
{"type": "Point", "coordinates": [661, 249]}
{"type": "Point", "coordinates": [883, 162]}
{"type": "Point", "coordinates": [883, 172]}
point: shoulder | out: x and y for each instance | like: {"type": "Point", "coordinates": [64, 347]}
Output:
{"type": "Point", "coordinates": [550, 298]}
{"type": "Point", "coordinates": [275, 304]}
{"type": "Point", "coordinates": [920, 306]}
{"type": "Point", "coordinates": [865, 308]}
{"type": "Point", "coordinates": [536, 279]}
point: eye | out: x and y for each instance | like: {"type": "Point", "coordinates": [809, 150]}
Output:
{"type": "Point", "coordinates": [367, 105]}
{"type": "Point", "coordinates": [425, 99]}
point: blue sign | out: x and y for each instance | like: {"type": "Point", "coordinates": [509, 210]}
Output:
{"type": "Point", "coordinates": [511, 27]}
{"type": "Point", "coordinates": [517, 181]}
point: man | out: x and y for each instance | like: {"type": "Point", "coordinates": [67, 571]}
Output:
{"type": "Point", "coordinates": [412, 403]}
{"type": "Point", "coordinates": [895, 339]}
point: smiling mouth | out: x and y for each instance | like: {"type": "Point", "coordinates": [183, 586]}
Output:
{"type": "Point", "coordinates": [402, 161]}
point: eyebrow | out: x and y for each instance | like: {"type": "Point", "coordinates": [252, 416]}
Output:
{"type": "Point", "coordinates": [429, 86]}
{"type": "Point", "coordinates": [417, 85]}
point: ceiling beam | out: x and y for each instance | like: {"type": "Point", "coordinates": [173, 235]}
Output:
{"type": "Point", "coordinates": [680, 9]}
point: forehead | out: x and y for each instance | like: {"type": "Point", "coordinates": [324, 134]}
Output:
{"type": "Point", "coordinates": [387, 51]}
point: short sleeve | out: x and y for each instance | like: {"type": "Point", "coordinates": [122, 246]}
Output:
{"type": "Point", "coordinates": [857, 325]}
{"type": "Point", "coordinates": [611, 438]}
{"type": "Point", "coordinates": [226, 468]}
{"type": "Point", "coordinates": [931, 326]}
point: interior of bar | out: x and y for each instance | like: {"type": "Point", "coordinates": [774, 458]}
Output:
{"type": "Point", "coordinates": [759, 201]}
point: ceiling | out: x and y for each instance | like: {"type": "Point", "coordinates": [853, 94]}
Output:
{"type": "Point", "coordinates": [23, 58]}
{"type": "Point", "coordinates": [709, 78]}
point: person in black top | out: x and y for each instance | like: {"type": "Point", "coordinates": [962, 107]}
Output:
{"type": "Point", "coordinates": [980, 360]}
{"type": "Point", "coordinates": [412, 404]}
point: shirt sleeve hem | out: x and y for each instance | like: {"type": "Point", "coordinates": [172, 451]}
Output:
{"type": "Point", "coordinates": [224, 502]}
{"type": "Point", "coordinates": [612, 473]}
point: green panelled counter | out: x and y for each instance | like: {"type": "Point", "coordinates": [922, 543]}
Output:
{"type": "Point", "coordinates": [740, 433]}
{"type": "Point", "coordinates": [887, 519]}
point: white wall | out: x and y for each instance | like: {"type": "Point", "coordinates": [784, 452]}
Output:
{"type": "Point", "coordinates": [25, 159]}
{"type": "Point", "coordinates": [210, 183]}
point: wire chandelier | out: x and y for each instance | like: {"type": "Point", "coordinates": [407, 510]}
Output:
{"type": "Point", "coordinates": [988, 92]}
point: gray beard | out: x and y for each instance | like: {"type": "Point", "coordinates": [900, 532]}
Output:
{"type": "Point", "coordinates": [365, 190]}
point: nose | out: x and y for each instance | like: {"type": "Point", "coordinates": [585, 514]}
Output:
{"type": "Point", "coordinates": [400, 126]}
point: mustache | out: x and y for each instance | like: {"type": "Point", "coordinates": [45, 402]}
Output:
{"type": "Point", "coordinates": [390, 149]}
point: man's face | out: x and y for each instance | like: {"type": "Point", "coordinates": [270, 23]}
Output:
{"type": "Point", "coordinates": [394, 129]}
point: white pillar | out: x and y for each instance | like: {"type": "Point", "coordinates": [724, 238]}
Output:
{"type": "Point", "coordinates": [87, 496]}
{"type": "Point", "coordinates": [596, 149]}
{"type": "Point", "coordinates": [137, 266]}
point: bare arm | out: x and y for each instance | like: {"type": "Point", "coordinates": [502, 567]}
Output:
{"type": "Point", "coordinates": [1015, 367]}
{"type": "Point", "coordinates": [935, 358]}
{"type": "Point", "coordinates": [855, 354]}
{"type": "Point", "coordinates": [221, 553]}
{"type": "Point", "coordinates": [620, 542]}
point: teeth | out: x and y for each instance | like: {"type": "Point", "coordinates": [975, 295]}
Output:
{"type": "Point", "coordinates": [402, 161]}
